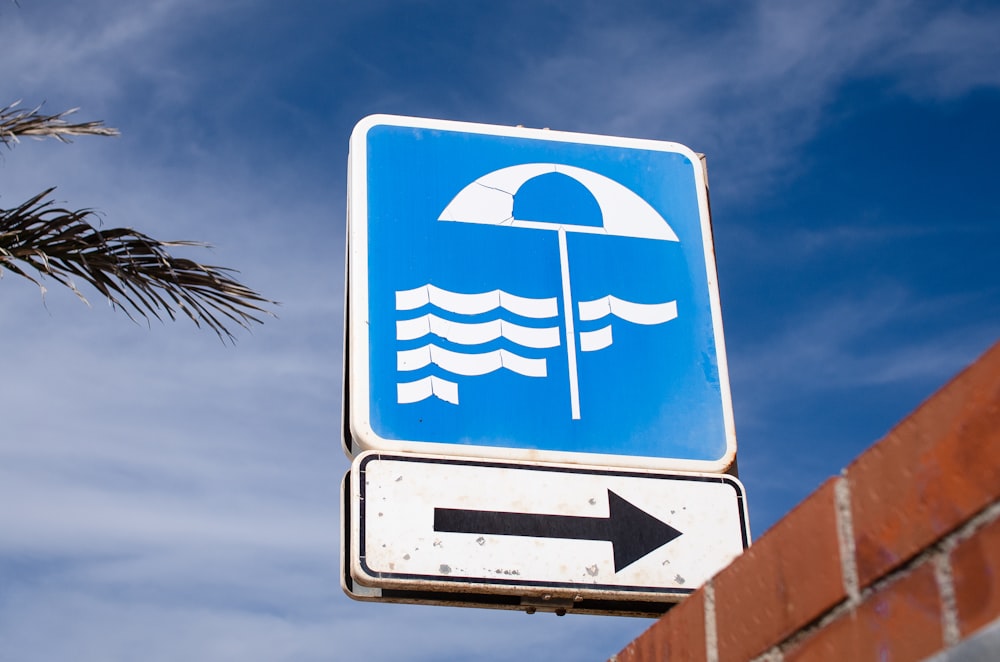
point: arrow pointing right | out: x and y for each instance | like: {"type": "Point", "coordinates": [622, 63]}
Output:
{"type": "Point", "coordinates": [632, 532]}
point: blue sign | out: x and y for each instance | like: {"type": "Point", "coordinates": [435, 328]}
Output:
{"type": "Point", "coordinates": [521, 293]}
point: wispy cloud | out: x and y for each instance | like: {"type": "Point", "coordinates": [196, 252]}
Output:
{"type": "Point", "coordinates": [877, 338]}
{"type": "Point", "coordinates": [166, 498]}
{"type": "Point", "coordinates": [756, 89]}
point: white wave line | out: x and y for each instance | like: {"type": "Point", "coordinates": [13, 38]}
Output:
{"type": "Point", "coordinates": [592, 341]}
{"type": "Point", "coordinates": [637, 313]}
{"type": "Point", "coordinates": [469, 365]}
{"type": "Point", "coordinates": [467, 333]}
{"type": "Point", "coordinates": [410, 392]}
{"type": "Point", "coordinates": [475, 304]}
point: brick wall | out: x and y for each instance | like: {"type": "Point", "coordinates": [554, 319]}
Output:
{"type": "Point", "coordinates": [897, 558]}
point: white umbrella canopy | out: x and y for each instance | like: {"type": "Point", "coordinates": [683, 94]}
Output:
{"type": "Point", "coordinates": [489, 200]}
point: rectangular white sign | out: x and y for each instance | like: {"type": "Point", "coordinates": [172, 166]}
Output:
{"type": "Point", "coordinates": [430, 523]}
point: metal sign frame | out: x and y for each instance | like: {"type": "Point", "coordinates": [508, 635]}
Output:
{"type": "Point", "coordinates": [360, 433]}
{"type": "Point", "coordinates": [375, 566]}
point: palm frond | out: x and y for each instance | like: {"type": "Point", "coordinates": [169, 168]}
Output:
{"type": "Point", "coordinates": [14, 123]}
{"type": "Point", "coordinates": [135, 272]}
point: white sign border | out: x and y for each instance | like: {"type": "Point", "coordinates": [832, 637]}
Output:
{"type": "Point", "coordinates": [359, 435]}
{"type": "Point", "coordinates": [368, 583]}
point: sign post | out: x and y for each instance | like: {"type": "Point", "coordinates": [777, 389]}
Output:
{"type": "Point", "coordinates": [546, 301]}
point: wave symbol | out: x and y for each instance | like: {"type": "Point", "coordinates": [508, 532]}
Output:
{"type": "Point", "coordinates": [467, 333]}
{"type": "Point", "coordinates": [474, 364]}
{"type": "Point", "coordinates": [475, 304]}
{"type": "Point", "coordinates": [410, 392]}
{"type": "Point", "coordinates": [637, 313]}
{"type": "Point", "coordinates": [468, 363]}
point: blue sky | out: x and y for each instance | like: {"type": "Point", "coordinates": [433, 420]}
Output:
{"type": "Point", "coordinates": [165, 497]}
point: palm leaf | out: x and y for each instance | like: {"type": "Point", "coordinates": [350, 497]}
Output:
{"type": "Point", "coordinates": [14, 123]}
{"type": "Point", "coordinates": [135, 272]}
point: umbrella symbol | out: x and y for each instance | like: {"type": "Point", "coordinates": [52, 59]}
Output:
{"type": "Point", "coordinates": [489, 200]}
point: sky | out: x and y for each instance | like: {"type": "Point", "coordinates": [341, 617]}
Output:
{"type": "Point", "coordinates": [165, 496]}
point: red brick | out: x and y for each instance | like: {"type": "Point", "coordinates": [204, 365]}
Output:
{"type": "Point", "coordinates": [934, 471]}
{"type": "Point", "coordinates": [900, 622]}
{"type": "Point", "coordinates": [975, 565]}
{"type": "Point", "coordinates": [788, 578]}
{"type": "Point", "coordinates": [678, 635]}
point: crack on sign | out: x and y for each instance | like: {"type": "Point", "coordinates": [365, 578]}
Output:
{"type": "Point", "coordinates": [494, 188]}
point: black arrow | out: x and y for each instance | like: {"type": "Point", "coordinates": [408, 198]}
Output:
{"type": "Point", "coordinates": [632, 532]}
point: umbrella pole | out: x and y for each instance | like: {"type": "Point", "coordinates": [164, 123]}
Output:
{"type": "Point", "coordinates": [574, 386]}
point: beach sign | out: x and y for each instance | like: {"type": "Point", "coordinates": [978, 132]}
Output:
{"type": "Point", "coordinates": [530, 294]}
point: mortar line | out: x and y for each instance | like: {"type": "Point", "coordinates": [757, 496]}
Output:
{"type": "Point", "coordinates": [845, 539]}
{"type": "Point", "coordinates": [928, 555]}
{"type": "Point", "coordinates": [946, 589]}
{"type": "Point", "coordinates": [711, 632]}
